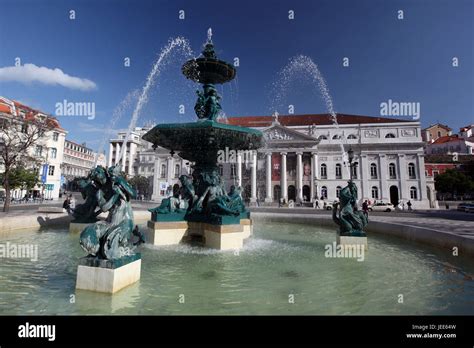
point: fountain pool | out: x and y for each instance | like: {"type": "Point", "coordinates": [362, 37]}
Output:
{"type": "Point", "coordinates": [280, 261]}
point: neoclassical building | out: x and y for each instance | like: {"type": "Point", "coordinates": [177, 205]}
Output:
{"type": "Point", "coordinates": [302, 160]}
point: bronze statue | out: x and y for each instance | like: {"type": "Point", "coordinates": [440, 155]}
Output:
{"type": "Point", "coordinates": [351, 221]}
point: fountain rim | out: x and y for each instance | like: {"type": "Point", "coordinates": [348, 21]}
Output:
{"type": "Point", "coordinates": [188, 66]}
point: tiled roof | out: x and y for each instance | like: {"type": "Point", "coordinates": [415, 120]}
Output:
{"type": "Point", "coordinates": [439, 125]}
{"type": "Point", "coordinates": [447, 139]}
{"type": "Point", "coordinates": [308, 120]}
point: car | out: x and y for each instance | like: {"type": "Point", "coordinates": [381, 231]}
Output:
{"type": "Point", "coordinates": [381, 206]}
{"type": "Point", "coordinates": [466, 207]}
{"type": "Point", "coordinates": [330, 205]}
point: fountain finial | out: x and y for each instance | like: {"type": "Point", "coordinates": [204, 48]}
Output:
{"type": "Point", "coordinates": [209, 35]}
{"type": "Point", "coordinates": [275, 118]}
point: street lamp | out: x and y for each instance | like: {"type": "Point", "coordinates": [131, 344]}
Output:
{"type": "Point", "coordinates": [351, 158]}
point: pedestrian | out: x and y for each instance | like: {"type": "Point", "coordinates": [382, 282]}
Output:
{"type": "Point", "coordinates": [324, 205]}
{"type": "Point", "coordinates": [409, 205]}
{"type": "Point", "coordinates": [67, 205]}
{"type": "Point", "coordinates": [316, 204]}
{"type": "Point", "coordinates": [365, 208]}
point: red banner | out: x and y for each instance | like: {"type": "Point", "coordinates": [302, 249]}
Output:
{"type": "Point", "coordinates": [276, 159]}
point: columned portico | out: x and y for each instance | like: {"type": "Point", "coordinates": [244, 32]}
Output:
{"type": "Point", "coordinates": [384, 194]}
{"type": "Point", "coordinates": [283, 180]}
{"type": "Point", "coordinates": [299, 176]}
{"type": "Point", "coordinates": [253, 198]}
{"type": "Point", "coordinates": [111, 150]}
{"type": "Point", "coordinates": [268, 179]}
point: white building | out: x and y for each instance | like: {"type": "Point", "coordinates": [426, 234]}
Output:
{"type": "Point", "coordinates": [134, 146]}
{"type": "Point", "coordinates": [48, 150]}
{"type": "Point", "coordinates": [302, 159]}
{"type": "Point", "coordinates": [78, 161]}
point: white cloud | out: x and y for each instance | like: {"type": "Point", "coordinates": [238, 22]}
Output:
{"type": "Point", "coordinates": [28, 73]}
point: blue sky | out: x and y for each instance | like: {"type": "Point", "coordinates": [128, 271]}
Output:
{"type": "Point", "coordinates": [407, 60]}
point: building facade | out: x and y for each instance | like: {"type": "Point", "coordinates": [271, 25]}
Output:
{"type": "Point", "coordinates": [47, 151]}
{"type": "Point", "coordinates": [78, 161]}
{"type": "Point", "coordinates": [434, 132]}
{"type": "Point", "coordinates": [303, 161]}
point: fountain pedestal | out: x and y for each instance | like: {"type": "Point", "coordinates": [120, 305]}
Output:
{"type": "Point", "coordinates": [108, 276]}
{"type": "Point", "coordinates": [78, 227]}
{"type": "Point", "coordinates": [166, 232]}
{"type": "Point", "coordinates": [350, 241]}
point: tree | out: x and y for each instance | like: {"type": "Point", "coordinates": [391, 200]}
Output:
{"type": "Point", "coordinates": [141, 184]}
{"type": "Point", "coordinates": [454, 182]}
{"type": "Point", "coordinates": [18, 135]}
{"type": "Point", "coordinates": [21, 178]}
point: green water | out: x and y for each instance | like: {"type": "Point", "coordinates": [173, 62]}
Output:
{"type": "Point", "coordinates": [279, 263]}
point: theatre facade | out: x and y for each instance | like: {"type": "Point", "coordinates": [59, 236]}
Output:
{"type": "Point", "coordinates": [303, 160]}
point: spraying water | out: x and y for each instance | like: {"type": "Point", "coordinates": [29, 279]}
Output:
{"type": "Point", "coordinates": [160, 62]}
{"type": "Point", "coordinates": [116, 115]}
{"type": "Point", "coordinates": [305, 65]}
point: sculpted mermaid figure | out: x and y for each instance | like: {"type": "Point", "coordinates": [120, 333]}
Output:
{"type": "Point", "coordinates": [351, 221]}
{"type": "Point", "coordinates": [111, 239]}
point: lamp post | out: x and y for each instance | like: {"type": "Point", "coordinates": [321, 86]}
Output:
{"type": "Point", "coordinates": [351, 158]}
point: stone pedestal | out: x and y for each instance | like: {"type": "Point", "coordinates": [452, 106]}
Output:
{"type": "Point", "coordinates": [78, 227]}
{"type": "Point", "coordinates": [248, 227]}
{"type": "Point", "coordinates": [108, 276]}
{"type": "Point", "coordinates": [166, 233]}
{"type": "Point", "coordinates": [224, 237]}
{"type": "Point", "coordinates": [350, 241]}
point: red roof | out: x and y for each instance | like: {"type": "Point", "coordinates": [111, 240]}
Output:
{"type": "Point", "coordinates": [308, 120]}
{"type": "Point", "coordinates": [447, 139]}
{"type": "Point", "coordinates": [464, 129]}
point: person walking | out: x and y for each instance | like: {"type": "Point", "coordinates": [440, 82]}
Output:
{"type": "Point", "coordinates": [365, 208]}
{"type": "Point", "coordinates": [316, 204]}
{"type": "Point", "coordinates": [409, 205]}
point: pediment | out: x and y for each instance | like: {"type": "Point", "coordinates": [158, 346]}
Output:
{"type": "Point", "coordinates": [279, 133]}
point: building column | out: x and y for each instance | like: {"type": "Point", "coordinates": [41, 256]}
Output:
{"type": "Point", "coordinates": [283, 181]}
{"type": "Point", "coordinates": [364, 178]}
{"type": "Point", "coordinates": [118, 148]}
{"type": "Point", "coordinates": [156, 176]}
{"type": "Point", "coordinates": [268, 198]}
{"type": "Point", "coordinates": [124, 158]}
{"type": "Point", "coordinates": [130, 159]}
{"type": "Point", "coordinates": [314, 176]}
{"type": "Point", "coordinates": [299, 176]}
{"type": "Point", "coordinates": [111, 150]}
{"type": "Point", "coordinates": [169, 176]}
{"type": "Point", "coordinates": [423, 195]}
{"type": "Point", "coordinates": [253, 198]}
{"type": "Point", "coordinates": [402, 171]}
{"type": "Point", "coordinates": [384, 194]}
{"type": "Point", "coordinates": [239, 169]}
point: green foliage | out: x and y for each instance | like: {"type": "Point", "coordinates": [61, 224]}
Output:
{"type": "Point", "coordinates": [455, 182]}
{"type": "Point", "coordinates": [141, 184]}
{"type": "Point", "coordinates": [21, 178]}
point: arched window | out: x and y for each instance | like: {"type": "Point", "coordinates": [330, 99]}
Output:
{"type": "Point", "coordinates": [351, 136]}
{"type": "Point", "coordinates": [413, 192]}
{"type": "Point", "coordinates": [338, 171]}
{"type": "Point", "coordinates": [411, 171]}
{"type": "Point", "coordinates": [176, 171]}
{"type": "Point", "coordinates": [323, 137]}
{"type": "Point", "coordinates": [390, 135]}
{"type": "Point", "coordinates": [54, 152]}
{"type": "Point", "coordinates": [324, 192]}
{"type": "Point", "coordinates": [392, 171]}
{"type": "Point", "coordinates": [163, 171]}
{"type": "Point", "coordinates": [373, 171]}
{"type": "Point", "coordinates": [354, 170]}
{"type": "Point", "coordinates": [337, 136]}
{"type": "Point", "coordinates": [324, 172]}
{"type": "Point", "coordinates": [338, 191]}
{"type": "Point", "coordinates": [375, 192]}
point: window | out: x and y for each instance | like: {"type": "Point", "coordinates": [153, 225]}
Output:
{"type": "Point", "coordinates": [24, 128]}
{"type": "Point", "coordinates": [163, 171]}
{"type": "Point", "coordinates": [413, 193]}
{"type": "Point", "coordinates": [176, 171]}
{"type": "Point", "coordinates": [439, 134]}
{"type": "Point", "coordinates": [55, 136]}
{"type": "Point", "coordinates": [373, 171]}
{"type": "Point", "coordinates": [324, 172]}
{"type": "Point", "coordinates": [51, 170]}
{"type": "Point", "coordinates": [390, 135]}
{"type": "Point", "coordinates": [39, 150]}
{"type": "Point", "coordinates": [338, 191]}
{"type": "Point", "coordinates": [375, 192]}
{"type": "Point", "coordinates": [338, 171]}
{"type": "Point", "coordinates": [221, 170]}
{"type": "Point", "coordinates": [54, 152]}
{"type": "Point", "coordinates": [323, 137]}
{"type": "Point", "coordinates": [435, 173]}
{"type": "Point", "coordinates": [392, 171]}
{"type": "Point", "coordinates": [324, 192]}
{"type": "Point", "coordinates": [354, 171]}
{"type": "Point", "coordinates": [411, 171]}
{"type": "Point", "coordinates": [233, 170]}
{"type": "Point", "coordinates": [351, 136]}
{"type": "Point", "coordinates": [337, 136]}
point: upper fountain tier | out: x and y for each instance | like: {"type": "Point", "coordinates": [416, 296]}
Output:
{"type": "Point", "coordinates": [208, 69]}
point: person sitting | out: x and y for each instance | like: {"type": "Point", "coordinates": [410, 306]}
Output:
{"type": "Point", "coordinates": [67, 205]}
